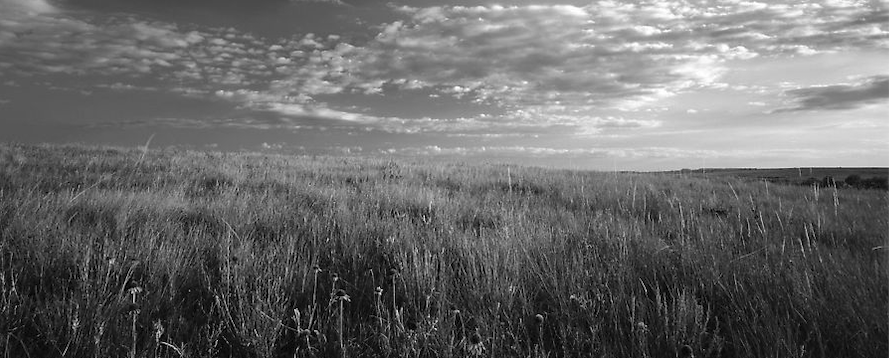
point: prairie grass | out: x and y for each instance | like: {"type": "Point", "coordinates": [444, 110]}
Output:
{"type": "Point", "coordinates": [106, 253]}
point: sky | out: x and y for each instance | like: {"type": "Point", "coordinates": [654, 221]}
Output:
{"type": "Point", "coordinates": [603, 85]}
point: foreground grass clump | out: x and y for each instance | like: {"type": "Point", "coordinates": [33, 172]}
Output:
{"type": "Point", "coordinates": [109, 253]}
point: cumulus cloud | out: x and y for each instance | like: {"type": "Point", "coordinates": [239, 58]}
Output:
{"type": "Point", "coordinates": [60, 44]}
{"type": "Point", "coordinates": [514, 55]}
{"type": "Point", "coordinates": [607, 50]}
{"type": "Point", "coordinates": [874, 90]}
{"type": "Point", "coordinates": [543, 66]}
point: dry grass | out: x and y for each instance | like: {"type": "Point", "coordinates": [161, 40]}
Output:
{"type": "Point", "coordinates": [104, 253]}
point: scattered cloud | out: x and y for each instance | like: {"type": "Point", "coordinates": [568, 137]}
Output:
{"type": "Point", "coordinates": [873, 90]}
{"type": "Point", "coordinates": [272, 146]}
{"type": "Point", "coordinates": [608, 152]}
{"type": "Point", "coordinates": [594, 70]}
{"type": "Point", "coordinates": [546, 63]}
{"type": "Point", "coordinates": [243, 122]}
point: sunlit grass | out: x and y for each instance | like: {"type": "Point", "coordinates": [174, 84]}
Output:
{"type": "Point", "coordinates": [108, 254]}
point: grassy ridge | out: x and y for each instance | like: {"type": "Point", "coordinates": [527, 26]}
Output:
{"type": "Point", "coordinates": [869, 178]}
{"type": "Point", "coordinates": [117, 253]}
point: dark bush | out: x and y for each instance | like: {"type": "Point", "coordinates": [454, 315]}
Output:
{"type": "Point", "coordinates": [876, 183]}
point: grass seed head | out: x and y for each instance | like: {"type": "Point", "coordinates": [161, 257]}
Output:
{"type": "Point", "coordinates": [341, 295]}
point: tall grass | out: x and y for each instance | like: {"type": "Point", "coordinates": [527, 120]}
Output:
{"type": "Point", "coordinates": [106, 253]}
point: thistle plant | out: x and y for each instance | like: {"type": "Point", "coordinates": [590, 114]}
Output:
{"type": "Point", "coordinates": [378, 305]}
{"type": "Point", "coordinates": [641, 332]}
{"type": "Point", "coordinates": [383, 332]}
{"type": "Point", "coordinates": [134, 313]}
{"type": "Point", "coordinates": [303, 335]}
{"type": "Point", "coordinates": [538, 324]}
{"type": "Point", "coordinates": [339, 298]}
{"type": "Point", "coordinates": [458, 324]}
{"type": "Point", "coordinates": [315, 271]}
{"type": "Point", "coordinates": [393, 275]}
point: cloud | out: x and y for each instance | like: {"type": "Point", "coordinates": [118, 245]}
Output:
{"type": "Point", "coordinates": [62, 42]}
{"type": "Point", "coordinates": [874, 90]}
{"type": "Point", "coordinates": [290, 106]}
{"type": "Point", "coordinates": [609, 49]}
{"type": "Point", "coordinates": [515, 56]}
{"type": "Point", "coordinates": [544, 64]}
{"type": "Point", "coordinates": [55, 43]}
{"type": "Point", "coordinates": [27, 7]}
{"type": "Point", "coordinates": [544, 152]}
{"type": "Point", "coordinates": [237, 122]}
{"type": "Point", "coordinates": [619, 153]}
{"type": "Point", "coordinates": [543, 67]}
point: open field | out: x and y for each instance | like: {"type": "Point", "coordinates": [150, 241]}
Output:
{"type": "Point", "coordinates": [118, 253]}
{"type": "Point", "coordinates": [790, 175]}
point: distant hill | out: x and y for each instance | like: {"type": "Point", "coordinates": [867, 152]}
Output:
{"type": "Point", "coordinates": [873, 177]}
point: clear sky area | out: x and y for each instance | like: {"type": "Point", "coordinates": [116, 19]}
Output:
{"type": "Point", "coordinates": [627, 85]}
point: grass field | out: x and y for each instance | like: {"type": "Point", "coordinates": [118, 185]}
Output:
{"type": "Point", "coordinates": [796, 176]}
{"type": "Point", "coordinates": [122, 253]}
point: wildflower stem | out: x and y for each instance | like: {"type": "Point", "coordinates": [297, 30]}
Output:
{"type": "Point", "coordinates": [340, 331]}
